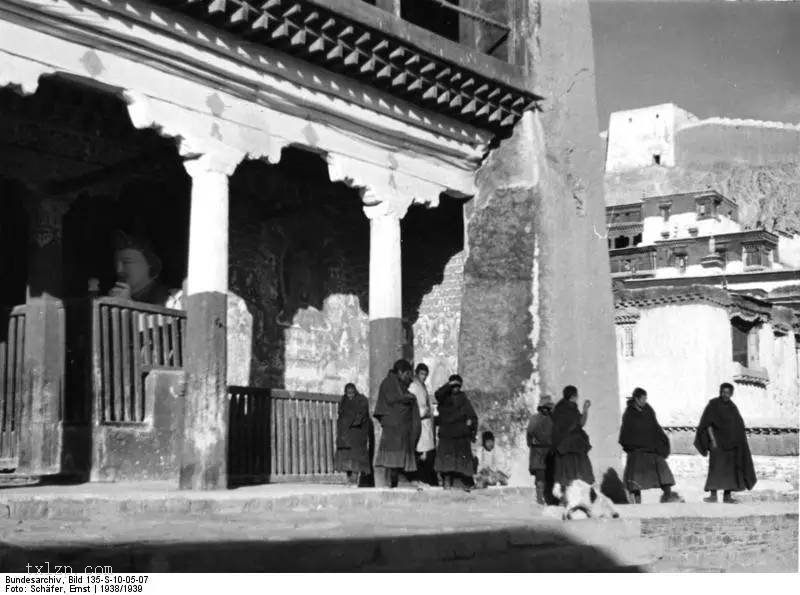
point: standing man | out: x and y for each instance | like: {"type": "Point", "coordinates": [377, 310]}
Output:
{"type": "Point", "coordinates": [571, 444]}
{"type": "Point", "coordinates": [539, 438]}
{"type": "Point", "coordinates": [426, 444]}
{"type": "Point", "coordinates": [397, 412]}
{"type": "Point", "coordinates": [647, 447]}
{"type": "Point", "coordinates": [721, 435]}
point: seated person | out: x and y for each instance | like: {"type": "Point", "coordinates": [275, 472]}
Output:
{"type": "Point", "coordinates": [489, 466]}
{"type": "Point", "coordinates": [138, 268]}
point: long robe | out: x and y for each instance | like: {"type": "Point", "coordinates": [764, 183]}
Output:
{"type": "Point", "coordinates": [426, 440]}
{"type": "Point", "coordinates": [730, 465]}
{"type": "Point", "coordinates": [352, 435]}
{"type": "Point", "coordinates": [454, 451]}
{"type": "Point", "coordinates": [570, 445]}
{"type": "Point", "coordinates": [539, 437]}
{"type": "Point", "coordinates": [397, 412]}
{"type": "Point", "coordinates": [647, 448]}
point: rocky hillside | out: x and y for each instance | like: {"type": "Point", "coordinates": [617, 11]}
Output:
{"type": "Point", "coordinates": [768, 195]}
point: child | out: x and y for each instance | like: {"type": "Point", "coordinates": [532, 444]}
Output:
{"type": "Point", "coordinates": [489, 466]}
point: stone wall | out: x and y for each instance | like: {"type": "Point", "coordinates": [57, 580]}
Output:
{"type": "Point", "coordinates": [706, 143]}
{"type": "Point", "coordinates": [435, 331]}
{"type": "Point", "coordinates": [771, 468]}
{"type": "Point", "coordinates": [737, 543]}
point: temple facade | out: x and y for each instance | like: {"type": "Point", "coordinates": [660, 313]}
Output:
{"type": "Point", "coordinates": [329, 185]}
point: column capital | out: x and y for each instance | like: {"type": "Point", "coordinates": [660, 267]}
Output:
{"type": "Point", "coordinates": [376, 207]}
{"type": "Point", "coordinates": [223, 162]}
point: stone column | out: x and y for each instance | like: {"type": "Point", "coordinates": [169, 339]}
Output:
{"type": "Point", "coordinates": [205, 431]}
{"type": "Point", "coordinates": [42, 394]}
{"type": "Point", "coordinates": [385, 303]}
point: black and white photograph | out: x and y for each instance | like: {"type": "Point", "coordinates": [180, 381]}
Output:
{"type": "Point", "coordinates": [301, 287]}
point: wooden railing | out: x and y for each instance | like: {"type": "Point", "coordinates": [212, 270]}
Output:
{"type": "Point", "coordinates": [129, 340]}
{"type": "Point", "coordinates": [278, 436]}
{"type": "Point", "coordinates": [12, 346]}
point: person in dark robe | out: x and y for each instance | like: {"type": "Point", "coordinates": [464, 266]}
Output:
{"type": "Point", "coordinates": [721, 435]}
{"type": "Point", "coordinates": [539, 437]}
{"type": "Point", "coordinates": [352, 435]}
{"type": "Point", "coordinates": [647, 448]}
{"type": "Point", "coordinates": [458, 427]}
{"type": "Point", "coordinates": [570, 442]}
{"type": "Point", "coordinates": [397, 412]}
{"type": "Point", "coordinates": [138, 268]}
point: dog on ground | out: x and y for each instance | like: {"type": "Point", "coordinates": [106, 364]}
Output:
{"type": "Point", "coordinates": [583, 501]}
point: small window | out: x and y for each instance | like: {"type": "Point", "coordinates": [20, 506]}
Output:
{"type": "Point", "coordinates": [664, 212]}
{"type": "Point", "coordinates": [637, 239]}
{"type": "Point", "coordinates": [797, 358]}
{"type": "Point", "coordinates": [622, 242]}
{"type": "Point", "coordinates": [744, 337]}
{"type": "Point", "coordinates": [656, 159]}
{"type": "Point", "coordinates": [628, 342]}
{"type": "Point", "coordinates": [680, 262]}
{"type": "Point", "coordinates": [753, 257]}
{"type": "Point", "coordinates": [701, 209]}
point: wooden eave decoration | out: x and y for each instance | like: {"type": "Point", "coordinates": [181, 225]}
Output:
{"type": "Point", "coordinates": [338, 43]}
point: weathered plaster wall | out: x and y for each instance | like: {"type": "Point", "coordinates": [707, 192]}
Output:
{"type": "Point", "coordinates": [684, 352]}
{"type": "Point", "coordinates": [537, 312]}
{"type": "Point", "coordinates": [576, 308]}
{"type": "Point", "coordinates": [435, 331]}
{"type": "Point", "coordinates": [297, 306]}
{"type": "Point", "coordinates": [681, 355]}
{"type": "Point", "coordinates": [298, 320]}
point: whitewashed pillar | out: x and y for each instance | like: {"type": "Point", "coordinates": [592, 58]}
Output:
{"type": "Point", "coordinates": [204, 443]}
{"type": "Point", "coordinates": [385, 303]}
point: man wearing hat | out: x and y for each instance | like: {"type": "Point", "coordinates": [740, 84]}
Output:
{"type": "Point", "coordinates": [138, 268]}
{"type": "Point", "coordinates": [539, 438]}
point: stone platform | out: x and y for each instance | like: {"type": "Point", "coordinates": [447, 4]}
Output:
{"type": "Point", "coordinates": [154, 527]}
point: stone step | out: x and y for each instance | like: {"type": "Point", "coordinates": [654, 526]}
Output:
{"type": "Point", "coordinates": [93, 501]}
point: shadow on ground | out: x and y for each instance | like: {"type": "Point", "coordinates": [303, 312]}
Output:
{"type": "Point", "coordinates": [508, 550]}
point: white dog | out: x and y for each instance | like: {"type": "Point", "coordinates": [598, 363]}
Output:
{"type": "Point", "coordinates": [583, 501]}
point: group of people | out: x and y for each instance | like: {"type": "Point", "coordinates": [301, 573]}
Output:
{"type": "Point", "coordinates": [559, 447]}
{"type": "Point", "coordinates": [427, 441]}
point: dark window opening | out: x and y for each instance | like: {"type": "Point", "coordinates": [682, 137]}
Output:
{"type": "Point", "coordinates": [622, 242]}
{"type": "Point", "coordinates": [744, 337]}
{"type": "Point", "coordinates": [657, 159]}
{"type": "Point", "coordinates": [637, 239]}
{"type": "Point", "coordinates": [753, 258]}
{"type": "Point", "coordinates": [432, 16]}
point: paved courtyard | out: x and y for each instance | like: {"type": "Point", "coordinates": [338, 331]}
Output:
{"type": "Point", "coordinates": [309, 527]}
